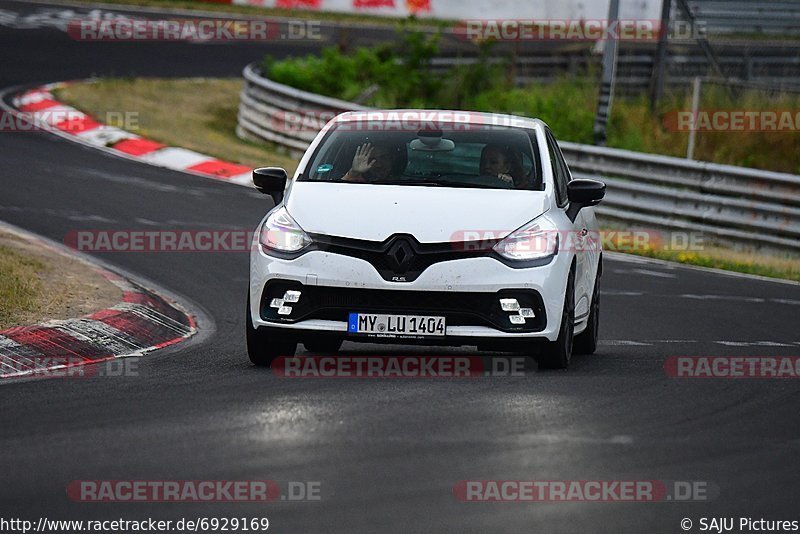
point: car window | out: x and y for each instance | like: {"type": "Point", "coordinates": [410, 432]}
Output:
{"type": "Point", "coordinates": [560, 170]}
{"type": "Point", "coordinates": [489, 157]}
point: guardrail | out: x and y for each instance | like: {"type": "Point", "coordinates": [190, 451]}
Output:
{"type": "Point", "coordinates": [777, 70]}
{"type": "Point", "coordinates": [732, 205]}
{"type": "Point", "coordinates": [764, 16]}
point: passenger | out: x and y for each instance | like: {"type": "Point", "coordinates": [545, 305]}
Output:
{"type": "Point", "coordinates": [375, 163]}
{"type": "Point", "coordinates": [503, 163]}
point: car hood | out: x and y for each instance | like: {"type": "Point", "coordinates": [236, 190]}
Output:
{"type": "Point", "coordinates": [430, 214]}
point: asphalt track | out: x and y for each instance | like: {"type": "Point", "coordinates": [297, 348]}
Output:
{"type": "Point", "coordinates": [386, 452]}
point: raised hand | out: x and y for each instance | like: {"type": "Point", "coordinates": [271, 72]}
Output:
{"type": "Point", "coordinates": [363, 162]}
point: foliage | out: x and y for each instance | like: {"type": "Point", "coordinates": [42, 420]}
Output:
{"type": "Point", "coordinates": [404, 78]}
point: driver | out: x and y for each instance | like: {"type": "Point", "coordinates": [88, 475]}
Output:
{"type": "Point", "coordinates": [373, 163]}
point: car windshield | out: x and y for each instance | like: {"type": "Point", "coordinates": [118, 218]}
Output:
{"type": "Point", "coordinates": [457, 155]}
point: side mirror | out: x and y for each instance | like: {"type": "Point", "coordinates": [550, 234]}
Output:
{"type": "Point", "coordinates": [271, 181]}
{"type": "Point", "coordinates": [583, 193]}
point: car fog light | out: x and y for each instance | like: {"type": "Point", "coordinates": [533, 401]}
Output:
{"type": "Point", "coordinates": [527, 312]}
{"type": "Point", "coordinates": [516, 319]}
{"type": "Point", "coordinates": [291, 296]}
{"type": "Point", "coordinates": [509, 305]}
{"type": "Point", "coordinates": [276, 303]}
{"type": "Point", "coordinates": [285, 310]}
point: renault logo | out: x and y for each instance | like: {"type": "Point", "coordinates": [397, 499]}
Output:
{"type": "Point", "coordinates": [400, 255]}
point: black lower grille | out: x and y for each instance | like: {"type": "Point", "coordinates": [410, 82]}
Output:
{"type": "Point", "coordinates": [460, 308]}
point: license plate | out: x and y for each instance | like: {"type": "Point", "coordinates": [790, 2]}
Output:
{"type": "Point", "coordinates": [380, 325]}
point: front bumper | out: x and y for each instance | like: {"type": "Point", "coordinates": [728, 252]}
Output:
{"type": "Point", "coordinates": [465, 291]}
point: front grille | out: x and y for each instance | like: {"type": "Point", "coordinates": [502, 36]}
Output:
{"type": "Point", "coordinates": [460, 308]}
{"type": "Point", "coordinates": [401, 257]}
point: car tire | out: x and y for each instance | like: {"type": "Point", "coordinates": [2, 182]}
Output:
{"type": "Point", "coordinates": [557, 354]}
{"type": "Point", "coordinates": [323, 345]}
{"type": "Point", "coordinates": [263, 346]}
{"type": "Point", "coordinates": [586, 341]}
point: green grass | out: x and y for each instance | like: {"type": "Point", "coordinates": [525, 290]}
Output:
{"type": "Point", "coordinates": [786, 268]}
{"type": "Point", "coordinates": [20, 287]}
{"type": "Point", "coordinates": [196, 113]}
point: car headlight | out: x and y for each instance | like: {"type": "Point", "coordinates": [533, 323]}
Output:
{"type": "Point", "coordinates": [536, 240]}
{"type": "Point", "coordinates": [282, 234]}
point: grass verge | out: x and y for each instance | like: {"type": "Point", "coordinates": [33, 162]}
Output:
{"type": "Point", "coordinates": [196, 113]}
{"type": "Point", "coordinates": [769, 266]}
{"type": "Point", "coordinates": [201, 114]}
{"type": "Point", "coordinates": [20, 286]}
{"type": "Point", "coordinates": [38, 285]}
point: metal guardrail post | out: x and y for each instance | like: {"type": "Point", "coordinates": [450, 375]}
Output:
{"type": "Point", "coordinates": [695, 109]}
{"type": "Point", "coordinates": [606, 96]}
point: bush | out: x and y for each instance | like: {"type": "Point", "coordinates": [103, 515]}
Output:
{"type": "Point", "coordinates": [402, 72]}
{"type": "Point", "coordinates": [404, 78]}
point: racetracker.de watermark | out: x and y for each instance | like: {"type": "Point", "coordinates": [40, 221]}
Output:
{"type": "Point", "coordinates": [396, 367]}
{"type": "Point", "coordinates": [161, 240]}
{"type": "Point", "coordinates": [188, 491]}
{"type": "Point", "coordinates": [536, 240]}
{"type": "Point", "coordinates": [70, 121]}
{"type": "Point", "coordinates": [472, 240]}
{"type": "Point", "coordinates": [202, 30]}
{"type": "Point", "coordinates": [551, 491]}
{"type": "Point", "coordinates": [647, 30]}
{"type": "Point", "coordinates": [736, 367]}
{"type": "Point", "coordinates": [407, 121]}
{"type": "Point", "coordinates": [733, 120]}
{"type": "Point", "coordinates": [68, 367]}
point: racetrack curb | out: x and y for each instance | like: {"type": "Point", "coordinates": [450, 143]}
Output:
{"type": "Point", "coordinates": [143, 321]}
{"type": "Point", "coordinates": [40, 107]}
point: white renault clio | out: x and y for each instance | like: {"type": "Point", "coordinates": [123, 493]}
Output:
{"type": "Point", "coordinates": [427, 227]}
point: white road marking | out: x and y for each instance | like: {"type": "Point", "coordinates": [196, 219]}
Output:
{"type": "Point", "coordinates": [728, 343]}
{"type": "Point", "coordinates": [722, 297]}
{"type": "Point", "coordinates": [552, 439]}
{"type": "Point", "coordinates": [657, 274]}
{"type": "Point", "coordinates": [89, 218]}
{"type": "Point", "coordinates": [790, 302]}
{"type": "Point", "coordinates": [671, 341]}
{"type": "Point", "coordinates": [623, 343]}
{"type": "Point", "coordinates": [694, 296]}
{"type": "Point", "coordinates": [753, 343]}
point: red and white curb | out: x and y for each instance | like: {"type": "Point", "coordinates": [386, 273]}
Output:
{"type": "Point", "coordinates": [40, 106]}
{"type": "Point", "coordinates": [142, 322]}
